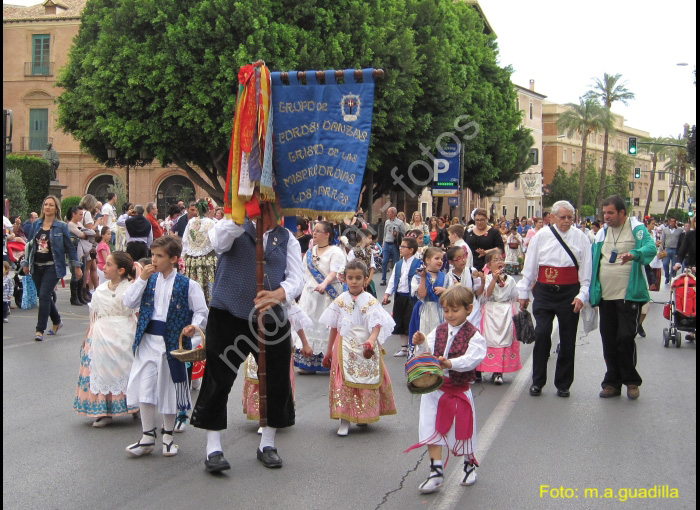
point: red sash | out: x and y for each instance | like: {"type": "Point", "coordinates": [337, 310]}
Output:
{"type": "Point", "coordinates": [550, 275]}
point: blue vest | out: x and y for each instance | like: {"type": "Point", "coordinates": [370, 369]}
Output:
{"type": "Point", "coordinates": [179, 313]}
{"type": "Point", "coordinates": [235, 285]}
{"type": "Point", "coordinates": [411, 273]}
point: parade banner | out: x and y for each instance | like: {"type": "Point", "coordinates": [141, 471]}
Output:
{"type": "Point", "coordinates": [321, 136]}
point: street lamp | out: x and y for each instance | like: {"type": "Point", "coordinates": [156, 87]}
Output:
{"type": "Point", "coordinates": [144, 159]}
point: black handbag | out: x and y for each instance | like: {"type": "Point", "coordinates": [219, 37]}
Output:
{"type": "Point", "coordinates": [524, 327]}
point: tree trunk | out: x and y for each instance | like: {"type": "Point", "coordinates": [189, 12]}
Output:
{"type": "Point", "coordinates": [680, 185]}
{"type": "Point", "coordinates": [670, 195]}
{"type": "Point", "coordinates": [582, 175]}
{"type": "Point", "coordinates": [650, 195]}
{"type": "Point", "coordinates": [603, 171]}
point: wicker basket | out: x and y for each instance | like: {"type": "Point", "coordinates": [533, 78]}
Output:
{"type": "Point", "coordinates": [184, 355]}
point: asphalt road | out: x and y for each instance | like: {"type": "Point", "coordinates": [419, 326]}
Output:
{"type": "Point", "coordinates": [529, 448]}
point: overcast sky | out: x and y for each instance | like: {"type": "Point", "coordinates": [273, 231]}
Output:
{"type": "Point", "coordinates": [562, 45]}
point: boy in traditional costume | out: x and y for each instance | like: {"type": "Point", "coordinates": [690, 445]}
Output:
{"type": "Point", "coordinates": [400, 286]}
{"type": "Point", "coordinates": [447, 415]}
{"type": "Point", "coordinates": [168, 303]}
{"type": "Point", "coordinates": [360, 389]}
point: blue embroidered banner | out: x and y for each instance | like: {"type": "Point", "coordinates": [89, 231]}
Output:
{"type": "Point", "coordinates": [321, 136]}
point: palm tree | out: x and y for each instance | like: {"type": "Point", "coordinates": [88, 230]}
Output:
{"type": "Point", "coordinates": [584, 118]}
{"type": "Point", "coordinates": [656, 148]}
{"type": "Point", "coordinates": [609, 91]}
{"type": "Point", "coordinates": [676, 165]}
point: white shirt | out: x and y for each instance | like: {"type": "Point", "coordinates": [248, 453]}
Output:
{"type": "Point", "coordinates": [545, 250]}
{"type": "Point", "coordinates": [464, 363]}
{"type": "Point", "coordinates": [404, 284]}
{"type": "Point", "coordinates": [225, 232]}
{"type": "Point", "coordinates": [161, 299]}
{"type": "Point", "coordinates": [109, 211]}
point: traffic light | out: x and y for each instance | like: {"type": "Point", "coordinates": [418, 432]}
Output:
{"type": "Point", "coordinates": [632, 146]}
{"type": "Point", "coordinates": [637, 173]}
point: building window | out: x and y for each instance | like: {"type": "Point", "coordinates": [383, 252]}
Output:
{"type": "Point", "coordinates": [515, 214]}
{"type": "Point", "coordinates": [531, 111]}
{"type": "Point", "coordinates": [517, 103]}
{"type": "Point", "coordinates": [505, 211]}
{"type": "Point", "coordinates": [38, 128]}
{"type": "Point", "coordinates": [100, 186]}
{"type": "Point", "coordinates": [600, 162]}
{"type": "Point", "coordinates": [636, 202]}
{"type": "Point", "coordinates": [40, 54]}
{"type": "Point", "coordinates": [661, 195]}
{"type": "Point", "coordinates": [534, 156]}
{"type": "Point", "coordinates": [516, 184]}
{"type": "Point", "coordinates": [573, 156]}
{"type": "Point", "coordinates": [631, 186]}
{"type": "Point", "coordinates": [563, 156]}
{"type": "Point", "coordinates": [692, 175]}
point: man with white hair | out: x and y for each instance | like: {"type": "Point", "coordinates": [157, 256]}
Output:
{"type": "Point", "coordinates": [392, 228]}
{"type": "Point", "coordinates": [558, 262]}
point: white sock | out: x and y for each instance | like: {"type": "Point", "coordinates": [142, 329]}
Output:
{"type": "Point", "coordinates": [268, 437]}
{"type": "Point", "coordinates": [148, 416]}
{"type": "Point", "coordinates": [404, 340]}
{"type": "Point", "coordinates": [169, 422]}
{"type": "Point", "coordinates": [213, 442]}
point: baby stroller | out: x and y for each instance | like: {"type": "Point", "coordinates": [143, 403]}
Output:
{"type": "Point", "coordinates": [680, 311]}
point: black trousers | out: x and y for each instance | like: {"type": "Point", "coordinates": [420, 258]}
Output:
{"type": "Point", "coordinates": [229, 340]}
{"type": "Point", "coordinates": [545, 306]}
{"type": "Point", "coordinates": [618, 328]}
{"type": "Point", "coordinates": [137, 250]}
{"type": "Point", "coordinates": [403, 308]}
{"type": "Point", "coordinates": [45, 280]}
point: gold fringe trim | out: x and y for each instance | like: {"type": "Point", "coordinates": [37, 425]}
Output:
{"type": "Point", "coordinates": [267, 194]}
{"type": "Point", "coordinates": [330, 215]}
{"type": "Point", "coordinates": [352, 419]}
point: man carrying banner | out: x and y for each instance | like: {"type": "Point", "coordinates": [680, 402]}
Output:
{"type": "Point", "coordinates": [231, 330]}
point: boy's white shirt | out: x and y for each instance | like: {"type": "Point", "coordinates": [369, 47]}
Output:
{"type": "Point", "coordinates": [467, 361]}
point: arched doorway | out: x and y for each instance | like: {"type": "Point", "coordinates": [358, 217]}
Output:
{"type": "Point", "coordinates": [99, 186]}
{"type": "Point", "coordinates": [171, 190]}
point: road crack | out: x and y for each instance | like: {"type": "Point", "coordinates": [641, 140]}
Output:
{"type": "Point", "coordinates": [385, 498]}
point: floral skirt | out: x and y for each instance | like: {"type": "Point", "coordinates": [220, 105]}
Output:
{"type": "Point", "coordinates": [89, 404]}
{"type": "Point", "coordinates": [202, 270]}
{"type": "Point", "coordinates": [358, 405]}
{"type": "Point", "coordinates": [251, 395]}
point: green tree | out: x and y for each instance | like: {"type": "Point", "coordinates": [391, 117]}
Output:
{"type": "Point", "coordinates": [621, 175]}
{"type": "Point", "coordinates": [16, 194]}
{"type": "Point", "coordinates": [162, 76]}
{"type": "Point", "coordinates": [69, 202]}
{"type": "Point", "coordinates": [118, 189]}
{"type": "Point", "coordinates": [657, 149]}
{"type": "Point", "coordinates": [563, 186]}
{"type": "Point", "coordinates": [609, 91]}
{"type": "Point", "coordinates": [36, 176]}
{"type": "Point", "coordinates": [584, 118]}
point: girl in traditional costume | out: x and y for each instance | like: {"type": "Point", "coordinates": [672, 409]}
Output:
{"type": "Point", "coordinates": [514, 251]}
{"type": "Point", "coordinates": [363, 252]}
{"type": "Point", "coordinates": [105, 356]}
{"type": "Point", "coordinates": [447, 416]}
{"type": "Point", "coordinates": [427, 285]}
{"type": "Point", "coordinates": [298, 320]}
{"type": "Point", "coordinates": [321, 266]}
{"type": "Point", "coordinates": [498, 307]}
{"type": "Point", "coordinates": [197, 251]}
{"type": "Point", "coordinates": [360, 388]}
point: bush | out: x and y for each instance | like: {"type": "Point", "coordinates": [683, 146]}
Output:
{"type": "Point", "coordinates": [16, 194]}
{"type": "Point", "coordinates": [36, 176]}
{"type": "Point", "coordinates": [69, 202]}
{"type": "Point", "coordinates": [680, 214]}
{"type": "Point", "coordinates": [587, 211]}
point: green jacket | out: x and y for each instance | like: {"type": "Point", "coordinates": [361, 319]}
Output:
{"type": "Point", "coordinates": [644, 252]}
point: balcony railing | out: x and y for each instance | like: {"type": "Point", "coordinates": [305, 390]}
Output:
{"type": "Point", "coordinates": [35, 143]}
{"type": "Point", "coordinates": [38, 68]}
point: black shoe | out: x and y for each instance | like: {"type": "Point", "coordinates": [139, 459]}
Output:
{"type": "Point", "coordinates": [563, 393]}
{"type": "Point", "coordinates": [268, 456]}
{"type": "Point", "coordinates": [641, 332]}
{"type": "Point", "coordinates": [383, 284]}
{"type": "Point", "coordinates": [215, 462]}
{"type": "Point", "coordinates": [535, 390]}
